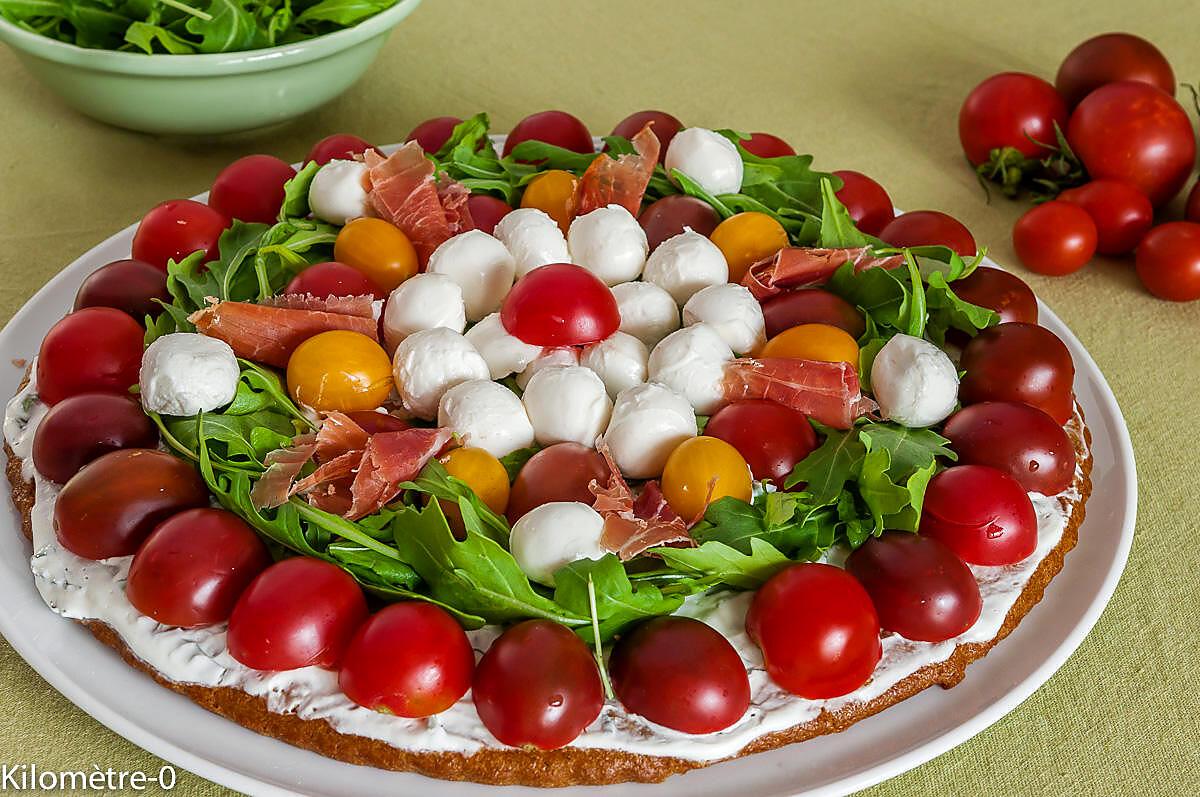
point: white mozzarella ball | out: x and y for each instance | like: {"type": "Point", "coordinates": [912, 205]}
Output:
{"type": "Point", "coordinates": [685, 264]}
{"type": "Point", "coordinates": [567, 403]}
{"type": "Point", "coordinates": [915, 382]}
{"type": "Point", "coordinates": [648, 312]}
{"type": "Point", "coordinates": [649, 421]}
{"type": "Point", "coordinates": [559, 355]}
{"type": "Point", "coordinates": [610, 243]}
{"type": "Point", "coordinates": [619, 360]}
{"type": "Point", "coordinates": [338, 192]}
{"type": "Point", "coordinates": [533, 238]}
{"type": "Point", "coordinates": [430, 362]}
{"type": "Point", "coordinates": [708, 158]}
{"type": "Point", "coordinates": [487, 415]}
{"type": "Point", "coordinates": [481, 266]}
{"type": "Point", "coordinates": [504, 353]}
{"type": "Point", "coordinates": [733, 312]}
{"type": "Point", "coordinates": [423, 301]}
{"type": "Point", "coordinates": [185, 373]}
{"type": "Point", "coordinates": [549, 537]}
{"type": "Point", "coordinates": [692, 363]}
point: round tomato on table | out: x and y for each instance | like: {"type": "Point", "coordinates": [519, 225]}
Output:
{"type": "Point", "coordinates": [771, 438]}
{"type": "Point", "coordinates": [1018, 439]}
{"type": "Point", "coordinates": [561, 472]}
{"type": "Point", "coordinates": [560, 304]}
{"type": "Point", "coordinates": [1055, 238]}
{"type": "Point", "coordinates": [1011, 109]}
{"type": "Point", "coordinates": [93, 350]}
{"type": "Point", "coordinates": [980, 513]}
{"type": "Point", "coordinates": [1168, 261]}
{"type": "Point", "coordinates": [665, 218]}
{"type": "Point", "coordinates": [339, 146]}
{"type": "Point", "coordinates": [553, 127]}
{"type": "Point", "coordinates": [812, 306]}
{"type": "Point", "coordinates": [174, 229]}
{"type": "Point", "coordinates": [1122, 213]}
{"type": "Point", "coordinates": [868, 203]}
{"type": "Point", "coordinates": [929, 228]}
{"type": "Point", "coordinates": [333, 279]}
{"type": "Point", "coordinates": [662, 124]}
{"type": "Point", "coordinates": [131, 286]}
{"type": "Point", "coordinates": [1109, 58]}
{"type": "Point", "coordinates": [1019, 362]}
{"type": "Point", "coordinates": [998, 290]}
{"type": "Point", "coordinates": [251, 188]}
{"type": "Point", "coordinates": [339, 370]}
{"type": "Point", "coordinates": [85, 427]}
{"type": "Point", "coordinates": [766, 145]}
{"type": "Point", "coordinates": [702, 470]}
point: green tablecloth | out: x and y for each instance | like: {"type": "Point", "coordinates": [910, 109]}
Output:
{"type": "Point", "coordinates": [870, 87]}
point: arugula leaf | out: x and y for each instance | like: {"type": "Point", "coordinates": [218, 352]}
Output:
{"type": "Point", "coordinates": [692, 188]}
{"type": "Point", "coordinates": [827, 470]}
{"type": "Point", "coordinates": [295, 193]}
{"type": "Point", "coordinates": [837, 228]}
{"type": "Point", "coordinates": [436, 482]}
{"type": "Point", "coordinates": [909, 450]}
{"type": "Point", "coordinates": [230, 28]}
{"type": "Point", "coordinates": [515, 460]}
{"type": "Point", "coordinates": [342, 12]}
{"type": "Point", "coordinates": [144, 35]}
{"type": "Point", "coordinates": [618, 601]}
{"type": "Point", "coordinates": [723, 564]}
{"type": "Point", "coordinates": [788, 521]}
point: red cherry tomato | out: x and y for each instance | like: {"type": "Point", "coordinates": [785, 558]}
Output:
{"type": "Point", "coordinates": [869, 204]}
{"type": "Point", "coordinates": [193, 567]}
{"type": "Point", "coordinates": [920, 588]}
{"type": "Point", "coordinates": [174, 229]}
{"type": "Point", "coordinates": [1133, 132]}
{"type": "Point", "coordinates": [561, 472]}
{"type": "Point", "coordinates": [765, 145]}
{"type": "Point", "coordinates": [130, 286]}
{"type": "Point", "coordinates": [411, 659]}
{"type": "Point", "coordinates": [553, 127]}
{"type": "Point", "coordinates": [371, 422]}
{"type": "Point", "coordinates": [817, 630]}
{"type": "Point", "coordinates": [110, 506]}
{"type": "Point", "coordinates": [537, 686]}
{"type": "Point", "coordinates": [771, 438]}
{"type": "Point", "coordinates": [251, 188]}
{"type": "Point", "coordinates": [300, 612]}
{"type": "Point", "coordinates": [1122, 213]}
{"type": "Point", "coordinates": [1192, 209]}
{"type": "Point", "coordinates": [811, 306]}
{"type": "Point", "coordinates": [1012, 109]}
{"type": "Point", "coordinates": [93, 350]}
{"type": "Point", "coordinates": [85, 427]}
{"type": "Point", "coordinates": [560, 305]}
{"type": "Point", "coordinates": [486, 211]}
{"type": "Point", "coordinates": [680, 673]}
{"type": "Point", "coordinates": [339, 146]}
{"type": "Point", "coordinates": [334, 279]}
{"type": "Point", "coordinates": [664, 127]}
{"type": "Point", "coordinates": [1001, 291]}
{"type": "Point", "coordinates": [1055, 238]}
{"type": "Point", "coordinates": [432, 134]}
{"type": "Point", "coordinates": [1168, 261]}
{"type": "Point", "coordinates": [1109, 58]}
{"type": "Point", "coordinates": [1019, 362]}
{"type": "Point", "coordinates": [980, 513]}
{"type": "Point", "coordinates": [1020, 440]}
{"type": "Point", "coordinates": [929, 228]}
{"type": "Point", "coordinates": [665, 218]}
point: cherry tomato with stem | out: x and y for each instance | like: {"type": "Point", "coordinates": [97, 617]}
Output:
{"type": "Point", "coordinates": [174, 229]}
{"type": "Point", "coordinates": [812, 306]}
{"type": "Point", "coordinates": [1019, 362]}
{"type": "Point", "coordinates": [93, 350]}
{"type": "Point", "coordinates": [929, 228]}
{"type": "Point", "coordinates": [665, 218]}
{"type": "Point", "coordinates": [131, 286]}
{"type": "Point", "coordinates": [869, 205]}
{"type": "Point", "coordinates": [1055, 238]}
{"type": "Point", "coordinates": [486, 211]}
{"type": "Point", "coordinates": [1122, 214]}
{"type": "Point", "coordinates": [251, 188]}
{"type": "Point", "coordinates": [561, 472]}
{"type": "Point", "coordinates": [1168, 261]}
{"type": "Point", "coordinates": [324, 280]}
{"type": "Point", "coordinates": [553, 127]}
{"type": "Point", "coordinates": [85, 427]}
{"type": "Point", "coordinates": [560, 304]}
{"type": "Point", "coordinates": [663, 125]}
{"type": "Point", "coordinates": [432, 134]}
{"type": "Point", "coordinates": [1011, 109]}
{"type": "Point", "coordinates": [1110, 58]}
{"type": "Point", "coordinates": [339, 146]}
{"type": "Point", "coordinates": [765, 145]}
{"type": "Point", "coordinates": [771, 438]}
{"type": "Point", "coordinates": [1020, 440]}
{"type": "Point", "coordinates": [998, 290]}
{"type": "Point", "coordinates": [980, 513]}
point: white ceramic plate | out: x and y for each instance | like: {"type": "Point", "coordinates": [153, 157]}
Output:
{"type": "Point", "coordinates": [94, 678]}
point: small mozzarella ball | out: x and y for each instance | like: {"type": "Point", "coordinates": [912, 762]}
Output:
{"type": "Point", "coordinates": [430, 362]}
{"type": "Point", "coordinates": [487, 415]}
{"type": "Point", "coordinates": [567, 403]}
{"type": "Point", "coordinates": [549, 537]}
{"type": "Point", "coordinates": [914, 382]}
{"type": "Point", "coordinates": [610, 243]}
{"type": "Point", "coordinates": [648, 312]}
{"type": "Point", "coordinates": [708, 158]}
{"type": "Point", "coordinates": [533, 238]}
{"type": "Point", "coordinates": [185, 373]}
{"type": "Point", "coordinates": [503, 353]}
{"type": "Point", "coordinates": [559, 355]}
{"type": "Point", "coordinates": [685, 264]}
{"type": "Point", "coordinates": [692, 363]}
{"type": "Point", "coordinates": [338, 192]}
{"type": "Point", "coordinates": [619, 360]}
{"type": "Point", "coordinates": [649, 421]}
{"type": "Point", "coordinates": [733, 312]}
{"type": "Point", "coordinates": [423, 301]}
{"type": "Point", "coordinates": [481, 266]}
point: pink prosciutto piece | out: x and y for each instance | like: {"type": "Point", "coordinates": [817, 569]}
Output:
{"type": "Point", "coordinates": [402, 189]}
{"type": "Point", "coordinates": [390, 459]}
{"type": "Point", "coordinates": [621, 180]}
{"type": "Point", "coordinates": [269, 334]}
{"type": "Point", "coordinates": [827, 392]}
{"type": "Point", "coordinates": [343, 305]}
{"type": "Point", "coordinates": [339, 434]}
{"type": "Point", "coordinates": [283, 466]}
{"type": "Point", "coordinates": [628, 532]}
{"type": "Point", "coordinates": [801, 267]}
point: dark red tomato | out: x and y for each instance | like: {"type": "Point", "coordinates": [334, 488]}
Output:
{"type": "Point", "coordinates": [174, 229]}
{"type": "Point", "coordinates": [929, 228]}
{"type": "Point", "coordinates": [1109, 58]}
{"type": "Point", "coordinates": [680, 673]}
{"type": "Point", "coordinates": [1055, 238]}
{"type": "Point", "coordinates": [251, 188]}
{"type": "Point", "coordinates": [869, 204]}
{"type": "Point", "coordinates": [93, 350]}
{"type": "Point", "coordinates": [537, 686]}
{"type": "Point", "coordinates": [85, 427]}
{"type": "Point", "coordinates": [1008, 110]}
{"type": "Point", "coordinates": [193, 567]}
{"type": "Point", "coordinates": [1168, 261]}
{"type": "Point", "coordinates": [1192, 209]}
{"type": "Point", "coordinates": [553, 127]}
{"type": "Point", "coordinates": [663, 125]}
{"type": "Point", "coordinates": [130, 286]}
{"type": "Point", "coordinates": [771, 438]}
{"type": "Point", "coordinates": [411, 659]}
{"type": "Point", "coordinates": [1001, 291]}
{"type": "Point", "coordinates": [433, 133]}
{"type": "Point", "coordinates": [817, 630]}
{"type": "Point", "coordinates": [1122, 213]}
{"type": "Point", "coordinates": [665, 218]}
{"type": "Point", "coordinates": [300, 612]}
{"type": "Point", "coordinates": [811, 306]}
{"type": "Point", "coordinates": [1133, 132]}
{"type": "Point", "coordinates": [110, 506]}
{"type": "Point", "coordinates": [371, 422]}
{"type": "Point", "coordinates": [561, 472]}
{"type": "Point", "coordinates": [334, 279]}
{"type": "Point", "coordinates": [980, 513]}
{"type": "Point", "coordinates": [765, 145]}
{"type": "Point", "coordinates": [1020, 440]}
{"type": "Point", "coordinates": [339, 146]}
{"type": "Point", "coordinates": [1019, 362]}
{"type": "Point", "coordinates": [560, 305]}
{"type": "Point", "coordinates": [920, 588]}
{"type": "Point", "coordinates": [486, 211]}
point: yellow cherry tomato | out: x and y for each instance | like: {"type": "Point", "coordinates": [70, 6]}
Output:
{"type": "Point", "coordinates": [693, 466]}
{"type": "Point", "coordinates": [747, 238]}
{"type": "Point", "coordinates": [340, 370]}
{"type": "Point", "coordinates": [813, 342]}
{"type": "Point", "coordinates": [378, 249]}
{"type": "Point", "coordinates": [483, 473]}
{"type": "Point", "coordinates": [551, 192]}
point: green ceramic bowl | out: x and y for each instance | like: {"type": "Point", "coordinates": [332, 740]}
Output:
{"type": "Point", "coordinates": [205, 94]}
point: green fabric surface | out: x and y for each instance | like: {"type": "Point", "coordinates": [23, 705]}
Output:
{"type": "Point", "coordinates": [873, 87]}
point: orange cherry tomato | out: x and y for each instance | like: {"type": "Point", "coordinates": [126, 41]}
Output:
{"type": "Point", "coordinates": [340, 370]}
{"type": "Point", "coordinates": [693, 465]}
{"type": "Point", "coordinates": [813, 342]}
{"type": "Point", "coordinates": [552, 192]}
{"type": "Point", "coordinates": [483, 473]}
{"type": "Point", "coordinates": [378, 249]}
{"type": "Point", "coordinates": [746, 239]}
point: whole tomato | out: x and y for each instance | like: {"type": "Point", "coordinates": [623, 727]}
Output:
{"type": "Point", "coordinates": [1012, 109]}
{"type": "Point", "coordinates": [1109, 58]}
{"type": "Point", "coordinates": [432, 134]}
{"type": "Point", "coordinates": [560, 304]}
{"type": "Point", "coordinates": [1001, 291]}
{"type": "Point", "coordinates": [561, 472]}
{"type": "Point", "coordinates": [251, 188]}
{"type": "Point", "coordinates": [85, 427]}
{"type": "Point", "coordinates": [929, 228]}
{"type": "Point", "coordinates": [553, 127]}
{"type": "Point", "coordinates": [1168, 261]}
{"type": "Point", "coordinates": [130, 286]}
{"type": "Point", "coordinates": [662, 124]}
{"type": "Point", "coordinates": [93, 350]}
{"type": "Point", "coordinates": [1018, 439]}
{"type": "Point", "coordinates": [767, 145]}
{"type": "Point", "coordinates": [339, 146]}
{"type": "Point", "coordinates": [1055, 238]}
{"type": "Point", "coordinates": [174, 229]}
{"type": "Point", "coordinates": [1122, 213]}
{"type": "Point", "coordinates": [771, 437]}
{"type": "Point", "coordinates": [980, 513]}
{"type": "Point", "coordinates": [868, 203]}
{"type": "Point", "coordinates": [1019, 362]}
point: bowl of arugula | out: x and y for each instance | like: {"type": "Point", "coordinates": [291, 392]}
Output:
{"type": "Point", "coordinates": [198, 67]}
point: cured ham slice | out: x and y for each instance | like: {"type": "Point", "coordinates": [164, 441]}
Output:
{"type": "Point", "coordinates": [269, 334]}
{"type": "Point", "coordinates": [621, 180]}
{"type": "Point", "coordinates": [827, 392]}
{"type": "Point", "coordinates": [800, 267]}
{"type": "Point", "coordinates": [403, 190]}
{"type": "Point", "coordinates": [344, 305]}
{"type": "Point", "coordinates": [628, 533]}
{"type": "Point", "coordinates": [339, 433]}
{"type": "Point", "coordinates": [283, 466]}
{"type": "Point", "coordinates": [390, 459]}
